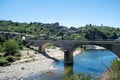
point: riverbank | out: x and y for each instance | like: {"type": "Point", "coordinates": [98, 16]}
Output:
{"type": "Point", "coordinates": [21, 70]}
{"type": "Point", "coordinates": [31, 64]}
{"type": "Point", "coordinates": [109, 75]}
{"type": "Point", "coordinates": [105, 76]}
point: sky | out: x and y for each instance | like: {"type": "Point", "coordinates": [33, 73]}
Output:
{"type": "Point", "coordinates": [68, 13]}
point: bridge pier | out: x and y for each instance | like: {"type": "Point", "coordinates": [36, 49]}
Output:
{"type": "Point", "coordinates": [68, 45]}
{"type": "Point", "coordinates": [40, 49]}
{"type": "Point", "coordinates": [68, 57]}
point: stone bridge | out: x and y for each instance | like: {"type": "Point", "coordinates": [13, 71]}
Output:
{"type": "Point", "coordinates": [69, 46]}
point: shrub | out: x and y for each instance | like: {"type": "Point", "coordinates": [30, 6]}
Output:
{"type": "Point", "coordinates": [17, 58]}
{"type": "Point", "coordinates": [78, 77]}
{"type": "Point", "coordinates": [11, 47]}
{"type": "Point", "coordinates": [115, 66]}
{"type": "Point", "coordinates": [3, 62]}
{"type": "Point", "coordinates": [115, 69]}
{"type": "Point", "coordinates": [22, 68]}
{"type": "Point", "coordinates": [17, 54]}
{"type": "Point", "coordinates": [10, 58]}
{"type": "Point", "coordinates": [1, 48]}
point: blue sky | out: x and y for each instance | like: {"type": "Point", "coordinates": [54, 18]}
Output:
{"type": "Point", "coordinates": [67, 12]}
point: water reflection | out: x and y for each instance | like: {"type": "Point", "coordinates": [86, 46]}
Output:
{"type": "Point", "coordinates": [68, 70]}
{"type": "Point", "coordinates": [89, 62]}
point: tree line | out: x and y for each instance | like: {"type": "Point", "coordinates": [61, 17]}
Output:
{"type": "Point", "coordinates": [87, 32]}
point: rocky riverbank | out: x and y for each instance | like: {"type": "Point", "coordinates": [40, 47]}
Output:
{"type": "Point", "coordinates": [31, 64]}
{"type": "Point", "coordinates": [21, 70]}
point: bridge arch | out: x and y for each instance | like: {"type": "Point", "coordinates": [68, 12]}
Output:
{"type": "Point", "coordinates": [42, 48]}
{"type": "Point", "coordinates": [68, 56]}
{"type": "Point", "coordinates": [69, 45]}
{"type": "Point", "coordinates": [112, 47]}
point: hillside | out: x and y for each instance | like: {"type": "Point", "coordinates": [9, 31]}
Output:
{"type": "Point", "coordinates": [54, 30]}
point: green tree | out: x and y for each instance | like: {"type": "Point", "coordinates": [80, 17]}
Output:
{"type": "Point", "coordinates": [114, 36]}
{"type": "Point", "coordinates": [79, 37]}
{"type": "Point", "coordinates": [1, 48]}
{"type": "Point", "coordinates": [71, 37]}
{"type": "Point", "coordinates": [2, 39]}
{"type": "Point", "coordinates": [11, 47]}
{"type": "Point", "coordinates": [94, 33]}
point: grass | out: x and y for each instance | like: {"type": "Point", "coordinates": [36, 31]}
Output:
{"type": "Point", "coordinates": [114, 71]}
{"type": "Point", "coordinates": [78, 76]}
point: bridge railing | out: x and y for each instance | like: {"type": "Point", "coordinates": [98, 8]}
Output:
{"type": "Point", "coordinates": [76, 40]}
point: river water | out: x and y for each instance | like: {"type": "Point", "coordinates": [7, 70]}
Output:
{"type": "Point", "coordinates": [93, 62]}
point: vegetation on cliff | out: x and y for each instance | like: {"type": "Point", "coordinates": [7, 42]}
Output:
{"type": "Point", "coordinates": [9, 48]}
{"type": "Point", "coordinates": [91, 32]}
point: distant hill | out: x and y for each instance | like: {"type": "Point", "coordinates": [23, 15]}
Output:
{"type": "Point", "coordinates": [90, 31]}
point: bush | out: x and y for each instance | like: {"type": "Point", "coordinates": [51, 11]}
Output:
{"type": "Point", "coordinates": [78, 77]}
{"type": "Point", "coordinates": [1, 48]}
{"type": "Point", "coordinates": [11, 47]}
{"type": "Point", "coordinates": [3, 62]}
{"type": "Point", "coordinates": [10, 58]}
{"type": "Point", "coordinates": [22, 68]}
{"type": "Point", "coordinates": [115, 66]}
{"type": "Point", "coordinates": [17, 54]}
{"type": "Point", "coordinates": [115, 69]}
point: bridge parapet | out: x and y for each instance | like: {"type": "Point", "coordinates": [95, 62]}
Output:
{"type": "Point", "coordinates": [69, 45]}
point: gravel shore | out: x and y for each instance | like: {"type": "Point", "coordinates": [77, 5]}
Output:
{"type": "Point", "coordinates": [22, 68]}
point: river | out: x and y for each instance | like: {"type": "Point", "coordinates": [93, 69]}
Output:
{"type": "Point", "coordinates": [94, 62]}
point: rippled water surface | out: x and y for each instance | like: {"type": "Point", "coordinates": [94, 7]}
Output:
{"type": "Point", "coordinates": [93, 62]}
